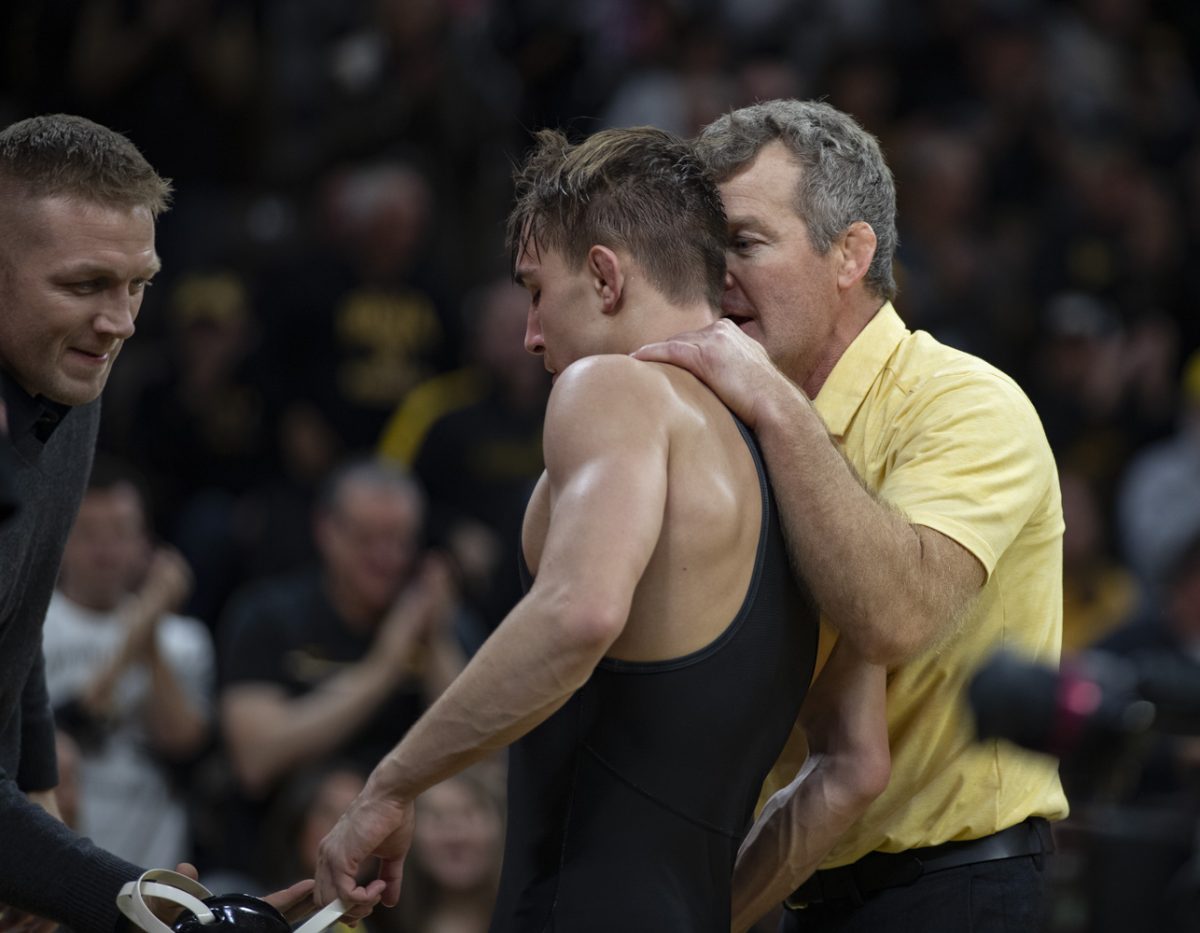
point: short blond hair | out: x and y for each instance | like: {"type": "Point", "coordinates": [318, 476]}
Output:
{"type": "Point", "coordinates": [61, 154]}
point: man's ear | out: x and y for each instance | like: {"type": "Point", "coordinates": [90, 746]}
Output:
{"type": "Point", "coordinates": [857, 248]}
{"type": "Point", "coordinates": [608, 277]}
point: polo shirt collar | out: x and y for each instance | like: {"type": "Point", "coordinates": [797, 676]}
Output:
{"type": "Point", "coordinates": [854, 374]}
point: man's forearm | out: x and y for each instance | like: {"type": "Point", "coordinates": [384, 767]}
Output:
{"type": "Point", "coordinates": [798, 827]}
{"type": "Point", "coordinates": [54, 873]}
{"type": "Point", "coordinates": [844, 719]}
{"type": "Point", "coordinates": [877, 577]}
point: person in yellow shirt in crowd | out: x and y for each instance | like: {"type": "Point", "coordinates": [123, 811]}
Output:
{"type": "Point", "coordinates": [923, 508]}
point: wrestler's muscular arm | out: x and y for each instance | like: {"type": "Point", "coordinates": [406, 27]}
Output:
{"type": "Point", "coordinates": [890, 586]}
{"type": "Point", "coordinates": [606, 451]}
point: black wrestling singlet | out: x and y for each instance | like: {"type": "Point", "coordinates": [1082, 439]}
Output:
{"type": "Point", "coordinates": [627, 806]}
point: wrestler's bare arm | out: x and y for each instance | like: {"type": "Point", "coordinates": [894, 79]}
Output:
{"type": "Point", "coordinates": [606, 456]}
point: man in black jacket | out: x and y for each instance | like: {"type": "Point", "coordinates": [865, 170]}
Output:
{"type": "Point", "coordinates": [78, 204]}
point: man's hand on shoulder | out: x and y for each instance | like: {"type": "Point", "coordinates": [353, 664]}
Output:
{"type": "Point", "coordinates": [733, 365]}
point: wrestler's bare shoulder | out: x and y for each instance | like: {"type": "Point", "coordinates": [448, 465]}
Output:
{"type": "Point", "coordinates": [608, 383]}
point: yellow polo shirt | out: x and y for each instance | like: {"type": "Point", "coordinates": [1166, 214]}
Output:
{"type": "Point", "coordinates": [955, 445]}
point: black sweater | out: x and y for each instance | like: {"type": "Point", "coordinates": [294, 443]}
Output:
{"type": "Point", "coordinates": [44, 867]}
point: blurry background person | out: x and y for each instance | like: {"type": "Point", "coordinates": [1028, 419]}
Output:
{"type": "Point", "coordinates": [337, 659]}
{"type": "Point", "coordinates": [358, 317]}
{"type": "Point", "coordinates": [1170, 636]}
{"type": "Point", "coordinates": [1136, 792]}
{"type": "Point", "coordinates": [200, 423]}
{"type": "Point", "coordinates": [1158, 502]}
{"type": "Point", "coordinates": [473, 437]}
{"type": "Point", "coordinates": [130, 680]}
{"type": "Point", "coordinates": [452, 872]}
{"type": "Point", "coordinates": [1099, 591]}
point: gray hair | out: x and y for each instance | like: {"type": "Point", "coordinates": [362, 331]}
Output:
{"type": "Point", "coordinates": [844, 177]}
{"type": "Point", "coordinates": [373, 473]}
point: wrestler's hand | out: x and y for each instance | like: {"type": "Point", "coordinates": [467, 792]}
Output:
{"type": "Point", "coordinates": [373, 825]}
{"type": "Point", "coordinates": [733, 365]}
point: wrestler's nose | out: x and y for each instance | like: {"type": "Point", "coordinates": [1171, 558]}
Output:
{"type": "Point", "coordinates": [534, 342]}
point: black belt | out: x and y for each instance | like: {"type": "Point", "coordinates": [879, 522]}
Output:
{"type": "Point", "coordinates": [879, 870]}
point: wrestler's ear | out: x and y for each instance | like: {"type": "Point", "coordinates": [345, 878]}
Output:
{"type": "Point", "coordinates": [608, 277]}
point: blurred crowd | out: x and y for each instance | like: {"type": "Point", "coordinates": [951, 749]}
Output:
{"type": "Point", "coordinates": [335, 290]}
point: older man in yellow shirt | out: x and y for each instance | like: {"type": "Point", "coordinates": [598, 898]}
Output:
{"type": "Point", "coordinates": [923, 508]}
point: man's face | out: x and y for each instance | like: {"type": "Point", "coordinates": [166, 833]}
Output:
{"type": "Point", "coordinates": [369, 542]}
{"type": "Point", "coordinates": [563, 323]}
{"type": "Point", "coordinates": [72, 277]}
{"type": "Point", "coordinates": [778, 289]}
{"type": "Point", "coordinates": [107, 549]}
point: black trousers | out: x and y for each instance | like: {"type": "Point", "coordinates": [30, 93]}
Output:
{"type": "Point", "coordinates": [1003, 896]}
